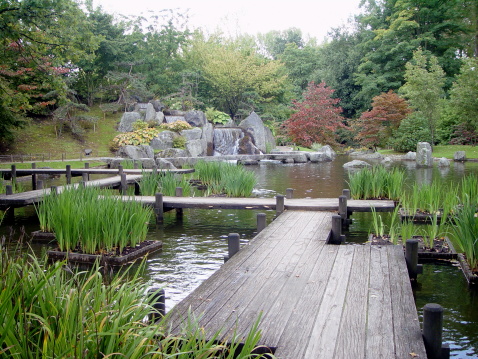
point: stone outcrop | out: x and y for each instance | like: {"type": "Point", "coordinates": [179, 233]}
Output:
{"type": "Point", "coordinates": [443, 162]}
{"type": "Point", "coordinates": [356, 164]}
{"type": "Point", "coordinates": [459, 156]}
{"type": "Point", "coordinates": [136, 152]}
{"type": "Point", "coordinates": [126, 123]}
{"type": "Point", "coordinates": [262, 136]}
{"type": "Point", "coordinates": [424, 155]}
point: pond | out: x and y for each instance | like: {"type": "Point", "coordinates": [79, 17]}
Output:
{"type": "Point", "coordinates": [194, 245]}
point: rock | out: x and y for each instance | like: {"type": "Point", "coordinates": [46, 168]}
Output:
{"type": "Point", "coordinates": [190, 135]}
{"type": "Point", "coordinates": [126, 123]}
{"type": "Point", "coordinates": [140, 107]}
{"type": "Point", "coordinates": [208, 136]}
{"type": "Point", "coordinates": [248, 162]}
{"type": "Point", "coordinates": [136, 152]}
{"type": "Point", "coordinates": [318, 157]}
{"type": "Point", "coordinates": [288, 160]}
{"type": "Point", "coordinates": [159, 119]}
{"type": "Point", "coordinates": [290, 157]}
{"type": "Point", "coordinates": [261, 135]}
{"type": "Point", "coordinates": [163, 140]}
{"type": "Point", "coordinates": [171, 119]}
{"type": "Point", "coordinates": [172, 152]}
{"type": "Point", "coordinates": [459, 156]}
{"type": "Point", "coordinates": [356, 164]}
{"type": "Point", "coordinates": [164, 164]}
{"type": "Point", "coordinates": [196, 118]}
{"type": "Point", "coordinates": [368, 155]}
{"type": "Point", "coordinates": [387, 160]}
{"type": "Point", "coordinates": [196, 148]}
{"type": "Point", "coordinates": [147, 162]}
{"type": "Point", "coordinates": [157, 105]}
{"type": "Point", "coordinates": [247, 147]}
{"type": "Point", "coordinates": [150, 114]}
{"type": "Point", "coordinates": [443, 162]}
{"type": "Point", "coordinates": [424, 155]}
{"type": "Point", "coordinates": [410, 156]}
{"type": "Point", "coordinates": [174, 113]}
{"type": "Point", "coordinates": [329, 152]}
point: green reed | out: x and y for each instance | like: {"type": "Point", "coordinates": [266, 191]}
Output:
{"type": "Point", "coordinates": [52, 311]}
{"type": "Point", "coordinates": [94, 220]}
{"type": "Point", "coordinates": [165, 183]}
{"type": "Point", "coordinates": [465, 232]}
{"type": "Point", "coordinates": [376, 182]}
{"type": "Point", "coordinates": [408, 230]}
{"type": "Point", "coordinates": [469, 189]}
{"type": "Point", "coordinates": [378, 226]}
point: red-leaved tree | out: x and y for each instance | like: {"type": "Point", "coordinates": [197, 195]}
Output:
{"type": "Point", "coordinates": [317, 118]}
{"type": "Point", "coordinates": [375, 127]}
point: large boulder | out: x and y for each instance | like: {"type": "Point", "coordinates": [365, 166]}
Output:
{"type": "Point", "coordinates": [356, 164]}
{"type": "Point", "coordinates": [424, 155]}
{"type": "Point", "coordinates": [261, 135]}
{"type": "Point", "coordinates": [410, 156]}
{"type": "Point", "coordinates": [159, 119]}
{"type": "Point", "coordinates": [195, 118]}
{"type": "Point", "coordinates": [163, 140]}
{"type": "Point", "coordinates": [208, 136]}
{"type": "Point", "coordinates": [164, 164]}
{"type": "Point", "coordinates": [150, 114]}
{"type": "Point", "coordinates": [126, 123]}
{"type": "Point", "coordinates": [247, 147]}
{"type": "Point", "coordinates": [172, 152]}
{"type": "Point", "coordinates": [157, 105]}
{"type": "Point", "coordinates": [443, 162]}
{"type": "Point", "coordinates": [459, 156]}
{"type": "Point", "coordinates": [196, 148]}
{"type": "Point", "coordinates": [318, 157]}
{"type": "Point", "coordinates": [136, 152]}
{"type": "Point", "coordinates": [193, 134]}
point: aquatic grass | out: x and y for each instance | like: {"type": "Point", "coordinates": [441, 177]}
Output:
{"type": "Point", "coordinates": [93, 220]}
{"type": "Point", "coordinates": [408, 230]}
{"type": "Point", "coordinates": [469, 189]}
{"type": "Point", "coordinates": [54, 311]}
{"type": "Point", "coordinates": [378, 226]}
{"type": "Point", "coordinates": [465, 232]}
{"type": "Point", "coordinates": [431, 231]}
{"type": "Point", "coordinates": [165, 183]}
{"type": "Point", "coordinates": [376, 182]}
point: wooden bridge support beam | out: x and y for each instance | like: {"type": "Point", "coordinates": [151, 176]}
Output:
{"type": "Point", "coordinates": [411, 257]}
{"type": "Point", "coordinates": [233, 245]}
{"type": "Point", "coordinates": [280, 204]}
{"type": "Point", "coordinates": [179, 193]}
{"type": "Point", "coordinates": [159, 304]}
{"type": "Point", "coordinates": [336, 236]}
{"type": "Point", "coordinates": [432, 332]}
{"type": "Point", "coordinates": [159, 207]}
{"type": "Point", "coordinates": [34, 177]}
{"type": "Point", "coordinates": [261, 222]}
{"type": "Point", "coordinates": [289, 193]}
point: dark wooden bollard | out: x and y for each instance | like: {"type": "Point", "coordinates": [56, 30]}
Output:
{"type": "Point", "coordinates": [87, 166]}
{"type": "Point", "coordinates": [123, 185]}
{"type": "Point", "coordinates": [336, 236]}
{"type": "Point", "coordinates": [346, 193]}
{"type": "Point", "coordinates": [8, 189]}
{"type": "Point", "coordinates": [14, 173]}
{"type": "Point", "coordinates": [34, 177]}
{"type": "Point", "coordinates": [343, 208]}
{"type": "Point", "coordinates": [233, 245]}
{"type": "Point", "coordinates": [158, 207]}
{"type": "Point", "coordinates": [159, 304]}
{"type": "Point", "coordinates": [432, 332]}
{"type": "Point", "coordinates": [411, 257]}
{"type": "Point", "coordinates": [137, 189]}
{"type": "Point", "coordinates": [179, 193]}
{"type": "Point", "coordinates": [289, 193]}
{"type": "Point", "coordinates": [68, 174]}
{"type": "Point", "coordinates": [39, 184]}
{"type": "Point", "coordinates": [84, 177]}
{"type": "Point", "coordinates": [261, 222]}
{"type": "Point", "coordinates": [120, 170]}
{"type": "Point", "coordinates": [280, 204]}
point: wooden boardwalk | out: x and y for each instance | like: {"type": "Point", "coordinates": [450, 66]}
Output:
{"type": "Point", "coordinates": [36, 196]}
{"type": "Point", "coordinates": [316, 300]}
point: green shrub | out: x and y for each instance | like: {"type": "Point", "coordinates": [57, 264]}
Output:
{"type": "Point", "coordinates": [216, 116]}
{"type": "Point", "coordinates": [412, 130]}
{"type": "Point", "coordinates": [179, 142]}
{"type": "Point", "coordinates": [142, 136]}
{"type": "Point", "coordinates": [176, 126]}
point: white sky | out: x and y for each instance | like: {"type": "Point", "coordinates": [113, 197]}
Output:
{"type": "Point", "coordinates": [314, 18]}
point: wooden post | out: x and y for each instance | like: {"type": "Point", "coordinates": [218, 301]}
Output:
{"type": "Point", "coordinates": [432, 332]}
{"type": "Point", "coordinates": [261, 222]}
{"type": "Point", "coordinates": [411, 257]}
{"type": "Point", "coordinates": [233, 245]}
{"type": "Point", "coordinates": [62, 157]}
{"type": "Point", "coordinates": [34, 177]}
{"type": "Point", "coordinates": [81, 156]}
{"type": "Point", "coordinates": [87, 166]}
{"type": "Point", "coordinates": [279, 204]}
{"type": "Point", "coordinates": [289, 193]}
{"type": "Point", "coordinates": [14, 173]}
{"type": "Point", "coordinates": [336, 236]}
{"type": "Point", "coordinates": [158, 207]}
{"type": "Point", "coordinates": [179, 193]}
{"type": "Point", "coordinates": [84, 177]}
{"type": "Point", "coordinates": [54, 189]}
{"type": "Point", "coordinates": [346, 193]}
{"type": "Point", "coordinates": [120, 170]}
{"type": "Point", "coordinates": [8, 189]}
{"type": "Point", "coordinates": [159, 304]}
{"type": "Point", "coordinates": [39, 184]}
{"type": "Point", "coordinates": [137, 188]}
{"type": "Point", "coordinates": [68, 174]}
{"type": "Point", "coordinates": [123, 185]}
{"type": "Point", "coordinates": [82, 184]}
{"type": "Point", "coordinates": [155, 170]}
{"type": "Point", "coordinates": [135, 164]}
{"type": "Point", "coordinates": [343, 208]}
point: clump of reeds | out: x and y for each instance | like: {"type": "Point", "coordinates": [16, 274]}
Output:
{"type": "Point", "coordinates": [93, 220]}
{"type": "Point", "coordinates": [225, 178]}
{"type": "Point", "coordinates": [56, 312]}
{"type": "Point", "coordinates": [165, 183]}
{"type": "Point", "coordinates": [376, 182]}
{"type": "Point", "coordinates": [465, 232]}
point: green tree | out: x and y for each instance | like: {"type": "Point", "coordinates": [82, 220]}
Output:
{"type": "Point", "coordinates": [423, 88]}
{"type": "Point", "coordinates": [274, 43]}
{"type": "Point", "coordinates": [412, 130]}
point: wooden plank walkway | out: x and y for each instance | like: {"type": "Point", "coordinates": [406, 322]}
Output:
{"type": "Point", "coordinates": [316, 300]}
{"type": "Point", "coordinates": [36, 196]}
{"type": "Point", "coordinates": [306, 204]}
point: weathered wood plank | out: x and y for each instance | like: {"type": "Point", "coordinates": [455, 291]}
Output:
{"type": "Point", "coordinates": [380, 339]}
{"type": "Point", "coordinates": [406, 327]}
{"type": "Point", "coordinates": [351, 339]}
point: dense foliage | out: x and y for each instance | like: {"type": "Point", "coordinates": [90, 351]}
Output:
{"type": "Point", "coordinates": [56, 54]}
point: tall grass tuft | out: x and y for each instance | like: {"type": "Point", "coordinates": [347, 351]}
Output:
{"type": "Point", "coordinates": [80, 218]}
{"type": "Point", "coordinates": [376, 183]}
{"type": "Point", "coordinates": [465, 232]}
{"type": "Point", "coordinates": [165, 183]}
{"type": "Point", "coordinates": [54, 312]}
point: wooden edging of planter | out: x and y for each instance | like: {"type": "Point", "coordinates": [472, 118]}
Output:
{"type": "Point", "coordinates": [110, 260]}
{"type": "Point", "coordinates": [470, 277]}
{"type": "Point", "coordinates": [418, 218]}
{"type": "Point", "coordinates": [43, 237]}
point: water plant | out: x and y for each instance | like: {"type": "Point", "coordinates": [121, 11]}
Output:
{"type": "Point", "coordinates": [54, 311]}
{"type": "Point", "coordinates": [93, 220]}
{"type": "Point", "coordinates": [165, 183]}
{"type": "Point", "coordinates": [465, 232]}
{"type": "Point", "coordinates": [378, 226]}
{"type": "Point", "coordinates": [469, 189]}
{"type": "Point", "coordinates": [376, 182]}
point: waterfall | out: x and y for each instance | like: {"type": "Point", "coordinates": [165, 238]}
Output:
{"type": "Point", "coordinates": [226, 140]}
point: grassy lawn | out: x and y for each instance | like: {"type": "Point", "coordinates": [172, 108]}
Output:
{"type": "Point", "coordinates": [444, 151]}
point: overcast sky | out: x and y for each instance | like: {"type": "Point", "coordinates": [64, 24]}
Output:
{"type": "Point", "coordinates": [314, 18]}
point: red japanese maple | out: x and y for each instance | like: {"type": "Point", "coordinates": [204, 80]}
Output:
{"type": "Point", "coordinates": [317, 117]}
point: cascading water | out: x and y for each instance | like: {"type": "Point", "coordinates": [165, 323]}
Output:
{"type": "Point", "coordinates": [226, 140]}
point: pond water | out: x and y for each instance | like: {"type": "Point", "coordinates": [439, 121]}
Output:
{"type": "Point", "coordinates": [194, 245]}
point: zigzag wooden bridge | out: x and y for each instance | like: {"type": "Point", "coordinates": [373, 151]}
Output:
{"type": "Point", "coordinates": [315, 300]}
